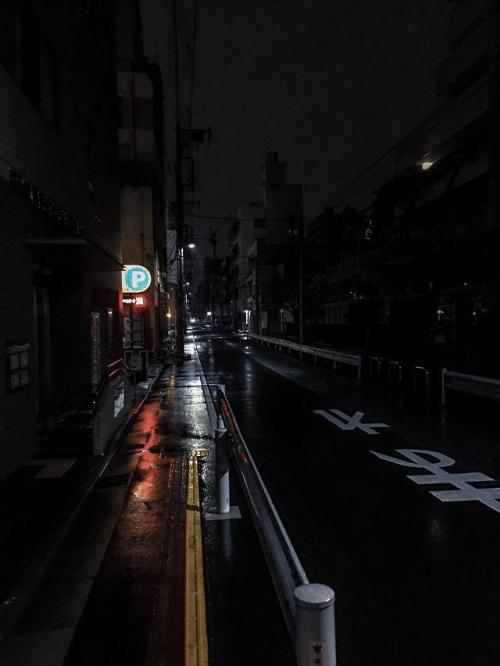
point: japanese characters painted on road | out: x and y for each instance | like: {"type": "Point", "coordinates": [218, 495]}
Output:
{"type": "Point", "coordinates": [135, 279]}
{"type": "Point", "coordinates": [435, 463]}
{"type": "Point", "coordinates": [345, 422]}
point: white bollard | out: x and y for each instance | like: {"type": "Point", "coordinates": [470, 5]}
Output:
{"type": "Point", "coordinates": [315, 625]}
{"type": "Point", "coordinates": [222, 471]}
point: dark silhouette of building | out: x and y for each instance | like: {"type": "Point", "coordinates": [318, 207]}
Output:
{"type": "Point", "coordinates": [415, 273]}
{"type": "Point", "coordinates": [61, 332]}
{"type": "Point", "coordinates": [264, 234]}
{"type": "Point", "coordinates": [142, 179]}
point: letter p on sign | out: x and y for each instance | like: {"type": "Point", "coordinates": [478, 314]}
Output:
{"type": "Point", "coordinates": [135, 279]}
{"type": "Point", "coordinates": [138, 279]}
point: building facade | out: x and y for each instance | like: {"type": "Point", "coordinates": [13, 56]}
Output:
{"type": "Point", "coordinates": [414, 275]}
{"type": "Point", "coordinates": [61, 211]}
{"type": "Point", "coordinates": [263, 235]}
{"type": "Point", "coordinates": [142, 191]}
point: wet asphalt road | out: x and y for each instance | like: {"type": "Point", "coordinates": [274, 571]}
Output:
{"type": "Point", "coordinates": [416, 578]}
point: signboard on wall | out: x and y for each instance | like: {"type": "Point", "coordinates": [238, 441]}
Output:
{"type": "Point", "coordinates": [135, 279]}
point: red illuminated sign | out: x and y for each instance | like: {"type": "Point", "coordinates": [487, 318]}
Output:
{"type": "Point", "coordinates": [136, 300]}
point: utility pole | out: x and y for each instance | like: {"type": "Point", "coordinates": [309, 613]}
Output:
{"type": "Point", "coordinates": [179, 226]}
{"type": "Point", "coordinates": [301, 300]}
{"type": "Point", "coordinates": [179, 204]}
{"type": "Point", "coordinates": [184, 138]}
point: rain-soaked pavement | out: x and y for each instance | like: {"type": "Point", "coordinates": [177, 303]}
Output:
{"type": "Point", "coordinates": [141, 574]}
{"type": "Point", "coordinates": [146, 603]}
{"type": "Point", "coordinates": [411, 552]}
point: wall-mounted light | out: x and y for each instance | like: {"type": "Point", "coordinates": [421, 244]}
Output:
{"type": "Point", "coordinates": [191, 246]}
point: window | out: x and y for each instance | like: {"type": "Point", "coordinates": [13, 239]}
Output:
{"type": "Point", "coordinates": [18, 374]}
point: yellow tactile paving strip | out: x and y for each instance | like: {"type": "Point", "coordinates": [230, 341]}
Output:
{"type": "Point", "coordinates": [195, 635]}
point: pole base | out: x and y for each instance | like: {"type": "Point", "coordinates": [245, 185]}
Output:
{"type": "Point", "coordinates": [233, 514]}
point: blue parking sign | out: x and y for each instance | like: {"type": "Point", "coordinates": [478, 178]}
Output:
{"type": "Point", "coordinates": [135, 279]}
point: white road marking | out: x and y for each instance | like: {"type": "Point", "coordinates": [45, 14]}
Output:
{"type": "Point", "coordinates": [53, 468]}
{"type": "Point", "coordinates": [350, 422]}
{"type": "Point", "coordinates": [438, 475]}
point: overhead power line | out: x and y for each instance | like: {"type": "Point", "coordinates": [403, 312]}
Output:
{"type": "Point", "coordinates": [452, 107]}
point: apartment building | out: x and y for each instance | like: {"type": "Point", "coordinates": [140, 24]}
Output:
{"type": "Point", "coordinates": [415, 273]}
{"type": "Point", "coordinates": [275, 221]}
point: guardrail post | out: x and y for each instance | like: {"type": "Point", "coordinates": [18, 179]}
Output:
{"type": "Point", "coordinates": [222, 470]}
{"type": "Point", "coordinates": [315, 625]}
{"type": "Point", "coordinates": [221, 461]}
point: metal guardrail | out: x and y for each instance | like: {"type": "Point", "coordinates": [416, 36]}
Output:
{"type": "Point", "coordinates": [308, 609]}
{"type": "Point", "coordinates": [285, 566]}
{"type": "Point", "coordinates": [484, 387]}
{"type": "Point", "coordinates": [334, 355]}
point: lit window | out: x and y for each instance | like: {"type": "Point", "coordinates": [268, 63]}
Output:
{"type": "Point", "coordinates": [18, 374]}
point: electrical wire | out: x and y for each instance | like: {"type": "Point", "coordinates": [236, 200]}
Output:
{"type": "Point", "coordinates": [193, 65]}
{"type": "Point", "coordinates": [344, 191]}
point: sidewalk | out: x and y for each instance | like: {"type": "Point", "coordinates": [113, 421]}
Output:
{"type": "Point", "coordinates": [141, 575]}
{"type": "Point", "coordinates": [39, 502]}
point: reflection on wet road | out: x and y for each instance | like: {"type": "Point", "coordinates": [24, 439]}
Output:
{"type": "Point", "coordinates": [394, 507]}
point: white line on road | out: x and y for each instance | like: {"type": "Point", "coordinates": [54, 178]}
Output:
{"type": "Point", "coordinates": [346, 422]}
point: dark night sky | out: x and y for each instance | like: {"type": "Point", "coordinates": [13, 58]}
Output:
{"type": "Point", "coordinates": [328, 84]}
